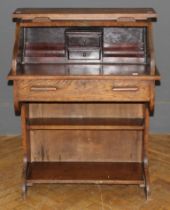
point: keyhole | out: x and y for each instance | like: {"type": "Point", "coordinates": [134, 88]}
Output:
{"type": "Point", "coordinates": [84, 42]}
{"type": "Point", "coordinates": [84, 54]}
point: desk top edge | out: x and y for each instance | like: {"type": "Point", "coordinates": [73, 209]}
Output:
{"type": "Point", "coordinates": [85, 13]}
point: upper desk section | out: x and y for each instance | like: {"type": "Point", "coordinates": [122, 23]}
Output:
{"type": "Point", "coordinates": [52, 14]}
{"type": "Point", "coordinates": [88, 43]}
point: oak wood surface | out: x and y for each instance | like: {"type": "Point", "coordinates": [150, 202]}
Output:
{"type": "Point", "coordinates": [86, 110]}
{"type": "Point", "coordinates": [86, 145]}
{"type": "Point", "coordinates": [83, 90]}
{"type": "Point", "coordinates": [89, 118]}
{"type": "Point", "coordinates": [85, 13]}
{"type": "Point", "coordinates": [15, 48]}
{"type": "Point", "coordinates": [84, 23]}
{"type": "Point", "coordinates": [83, 140]}
{"type": "Point", "coordinates": [145, 153]}
{"type": "Point", "coordinates": [25, 134]}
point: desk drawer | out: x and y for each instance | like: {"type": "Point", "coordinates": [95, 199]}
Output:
{"type": "Point", "coordinates": [83, 41]}
{"type": "Point", "coordinates": [83, 90]}
{"type": "Point", "coordinates": [80, 38]}
{"type": "Point", "coordinates": [84, 54]}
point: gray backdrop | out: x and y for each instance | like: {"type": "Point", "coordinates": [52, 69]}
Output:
{"type": "Point", "coordinates": [160, 123]}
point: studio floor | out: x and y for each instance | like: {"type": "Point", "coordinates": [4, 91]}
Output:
{"type": "Point", "coordinates": [83, 197]}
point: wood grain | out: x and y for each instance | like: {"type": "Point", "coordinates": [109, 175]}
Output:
{"type": "Point", "coordinates": [86, 145]}
{"type": "Point", "coordinates": [84, 124]}
{"type": "Point", "coordinates": [83, 90]}
{"type": "Point", "coordinates": [84, 96]}
{"type": "Point", "coordinates": [84, 23]}
{"type": "Point", "coordinates": [16, 48]}
{"type": "Point", "coordinates": [85, 14]}
{"type": "Point", "coordinates": [86, 110]}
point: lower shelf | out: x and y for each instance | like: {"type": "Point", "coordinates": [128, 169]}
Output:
{"type": "Point", "coordinates": [85, 172]}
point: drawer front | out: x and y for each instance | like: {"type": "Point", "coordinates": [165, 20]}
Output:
{"type": "Point", "coordinates": [84, 54]}
{"type": "Point", "coordinates": [83, 38]}
{"type": "Point", "coordinates": [83, 90]}
{"type": "Point", "coordinates": [83, 41]}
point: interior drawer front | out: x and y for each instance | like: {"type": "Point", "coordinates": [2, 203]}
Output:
{"type": "Point", "coordinates": [83, 41]}
{"type": "Point", "coordinates": [84, 54]}
{"type": "Point", "coordinates": [83, 90]}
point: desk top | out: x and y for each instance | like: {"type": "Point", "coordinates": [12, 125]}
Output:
{"type": "Point", "coordinates": [85, 13]}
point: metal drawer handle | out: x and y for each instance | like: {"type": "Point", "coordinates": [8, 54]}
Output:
{"type": "Point", "coordinates": [125, 88]}
{"type": "Point", "coordinates": [43, 88]}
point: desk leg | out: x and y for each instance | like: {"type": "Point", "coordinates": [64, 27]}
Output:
{"type": "Point", "coordinates": [24, 176]}
{"type": "Point", "coordinates": [145, 154]}
{"type": "Point", "coordinates": [26, 147]}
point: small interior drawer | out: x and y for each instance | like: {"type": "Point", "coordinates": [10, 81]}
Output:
{"type": "Point", "coordinates": [84, 54]}
{"type": "Point", "coordinates": [83, 41]}
{"type": "Point", "coordinates": [80, 38]}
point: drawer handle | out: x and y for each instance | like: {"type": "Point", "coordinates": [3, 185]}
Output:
{"type": "Point", "coordinates": [126, 19]}
{"type": "Point", "coordinates": [43, 88]}
{"type": "Point", "coordinates": [125, 89]}
{"type": "Point", "coordinates": [41, 19]}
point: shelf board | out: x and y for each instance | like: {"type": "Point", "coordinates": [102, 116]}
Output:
{"type": "Point", "coordinates": [85, 172]}
{"type": "Point", "coordinates": [85, 124]}
{"type": "Point", "coordinates": [72, 69]}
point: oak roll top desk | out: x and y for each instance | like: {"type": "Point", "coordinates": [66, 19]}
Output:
{"type": "Point", "coordinates": [84, 84]}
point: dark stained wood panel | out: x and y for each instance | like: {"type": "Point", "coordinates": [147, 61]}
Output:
{"type": "Point", "coordinates": [44, 50]}
{"type": "Point", "coordinates": [124, 43]}
{"type": "Point", "coordinates": [83, 44]}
